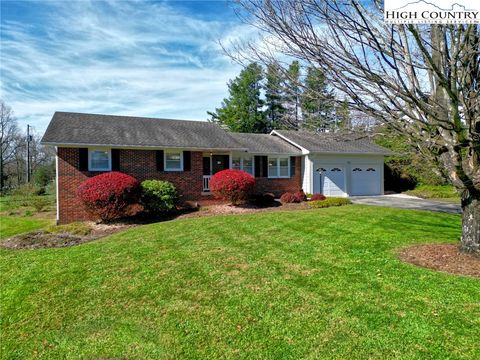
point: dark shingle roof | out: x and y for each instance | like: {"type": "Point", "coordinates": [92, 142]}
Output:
{"type": "Point", "coordinates": [265, 144]}
{"type": "Point", "coordinates": [108, 130]}
{"type": "Point", "coordinates": [332, 143]}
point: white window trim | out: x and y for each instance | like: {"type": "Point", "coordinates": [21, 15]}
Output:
{"type": "Point", "coordinates": [277, 160]}
{"type": "Point", "coordinates": [109, 151]}
{"type": "Point", "coordinates": [165, 152]}
{"type": "Point", "coordinates": [241, 162]}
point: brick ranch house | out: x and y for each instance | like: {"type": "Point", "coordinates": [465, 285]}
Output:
{"type": "Point", "coordinates": [188, 153]}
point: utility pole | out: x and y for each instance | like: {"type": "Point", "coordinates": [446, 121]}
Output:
{"type": "Point", "coordinates": [29, 138]}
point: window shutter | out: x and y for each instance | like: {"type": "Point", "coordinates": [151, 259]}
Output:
{"type": "Point", "coordinates": [258, 165]}
{"type": "Point", "coordinates": [115, 159]}
{"type": "Point", "coordinates": [265, 166]}
{"type": "Point", "coordinates": [159, 159]}
{"type": "Point", "coordinates": [292, 165]}
{"type": "Point", "coordinates": [187, 160]}
{"type": "Point", "coordinates": [83, 159]}
{"type": "Point", "coordinates": [226, 162]}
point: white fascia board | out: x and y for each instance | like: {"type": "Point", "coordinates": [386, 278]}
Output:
{"type": "Point", "coordinates": [304, 151]}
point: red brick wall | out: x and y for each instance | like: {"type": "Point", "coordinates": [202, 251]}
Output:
{"type": "Point", "coordinates": [140, 164]}
{"type": "Point", "coordinates": [279, 186]}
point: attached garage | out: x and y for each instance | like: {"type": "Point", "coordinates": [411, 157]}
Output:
{"type": "Point", "coordinates": [337, 164]}
{"type": "Point", "coordinates": [365, 180]}
{"type": "Point", "coordinates": [345, 175]}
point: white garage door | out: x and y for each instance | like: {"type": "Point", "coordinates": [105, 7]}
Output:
{"type": "Point", "coordinates": [365, 180]}
{"type": "Point", "coordinates": [331, 182]}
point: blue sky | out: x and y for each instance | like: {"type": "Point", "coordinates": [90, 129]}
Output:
{"type": "Point", "coordinates": [143, 58]}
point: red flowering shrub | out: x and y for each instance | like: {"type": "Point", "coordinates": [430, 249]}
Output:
{"type": "Point", "coordinates": [316, 197]}
{"type": "Point", "coordinates": [111, 195]}
{"type": "Point", "coordinates": [300, 195]}
{"type": "Point", "coordinates": [288, 197]}
{"type": "Point", "coordinates": [232, 185]}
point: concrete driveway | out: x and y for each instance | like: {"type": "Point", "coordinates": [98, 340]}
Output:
{"type": "Point", "coordinates": [406, 202]}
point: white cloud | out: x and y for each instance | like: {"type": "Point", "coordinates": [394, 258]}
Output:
{"type": "Point", "coordinates": [144, 59]}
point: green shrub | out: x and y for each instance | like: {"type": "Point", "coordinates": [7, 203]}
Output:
{"type": "Point", "coordinates": [75, 228]}
{"type": "Point", "coordinates": [39, 203]}
{"type": "Point", "coordinates": [43, 175]}
{"type": "Point", "coordinates": [159, 196]}
{"type": "Point", "coordinates": [50, 189]}
{"type": "Point", "coordinates": [328, 202]}
{"type": "Point", "coordinates": [27, 190]}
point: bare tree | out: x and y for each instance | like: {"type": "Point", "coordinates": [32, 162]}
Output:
{"type": "Point", "coordinates": [422, 80]}
{"type": "Point", "coordinates": [8, 132]}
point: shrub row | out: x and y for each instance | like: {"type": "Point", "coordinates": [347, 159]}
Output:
{"type": "Point", "coordinates": [316, 204]}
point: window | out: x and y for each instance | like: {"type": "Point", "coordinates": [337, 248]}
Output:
{"type": "Point", "coordinates": [247, 165]}
{"type": "Point", "coordinates": [99, 160]}
{"type": "Point", "coordinates": [236, 163]}
{"type": "Point", "coordinates": [278, 167]}
{"type": "Point", "coordinates": [173, 160]}
{"type": "Point", "coordinates": [243, 163]}
{"type": "Point", "coordinates": [283, 167]}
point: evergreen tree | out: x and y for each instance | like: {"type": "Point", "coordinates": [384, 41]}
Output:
{"type": "Point", "coordinates": [242, 110]}
{"type": "Point", "coordinates": [317, 102]}
{"type": "Point", "coordinates": [342, 115]}
{"type": "Point", "coordinates": [274, 96]}
{"type": "Point", "coordinates": [291, 117]}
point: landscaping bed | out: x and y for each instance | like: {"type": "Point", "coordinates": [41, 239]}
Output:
{"type": "Point", "coordinates": [79, 233]}
{"type": "Point", "coordinates": [442, 257]}
{"type": "Point", "coordinates": [63, 235]}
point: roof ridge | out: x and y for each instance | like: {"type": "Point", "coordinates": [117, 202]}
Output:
{"type": "Point", "coordinates": [133, 117]}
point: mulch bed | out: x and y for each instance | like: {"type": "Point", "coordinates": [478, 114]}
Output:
{"type": "Point", "coordinates": [226, 209]}
{"type": "Point", "coordinates": [43, 239]}
{"type": "Point", "coordinates": [442, 257]}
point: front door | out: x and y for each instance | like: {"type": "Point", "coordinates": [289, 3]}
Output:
{"type": "Point", "coordinates": [219, 163]}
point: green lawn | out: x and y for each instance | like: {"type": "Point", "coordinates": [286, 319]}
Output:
{"type": "Point", "coordinates": [12, 225]}
{"type": "Point", "coordinates": [320, 283]}
{"type": "Point", "coordinates": [445, 193]}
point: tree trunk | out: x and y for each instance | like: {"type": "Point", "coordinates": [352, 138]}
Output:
{"type": "Point", "coordinates": [470, 224]}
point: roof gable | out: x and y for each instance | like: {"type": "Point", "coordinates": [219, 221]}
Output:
{"type": "Point", "coordinates": [265, 144]}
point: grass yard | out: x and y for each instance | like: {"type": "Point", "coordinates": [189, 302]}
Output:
{"type": "Point", "coordinates": [18, 214]}
{"type": "Point", "coordinates": [445, 193]}
{"type": "Point", "coordinates": [320, 283]}
{"type": "Point", "coordinates": [13, 225]}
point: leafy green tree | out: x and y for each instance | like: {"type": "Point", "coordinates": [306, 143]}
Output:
{"type": "Point", "coordinates": [408, 164]}
{"type": "Point", "coordinates": [317, 102]}
{"type": "Point", "coordinates": [243, 111]}
{"type": "Point", "coordinates": [44, 174]}
{"type": "Point", "coordinates": [291, 102]}
{"type": "Point", "coordinates": [274, 96]}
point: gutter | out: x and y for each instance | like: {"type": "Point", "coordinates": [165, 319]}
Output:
{"type": "Point", "coordinates": [150, 147]}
